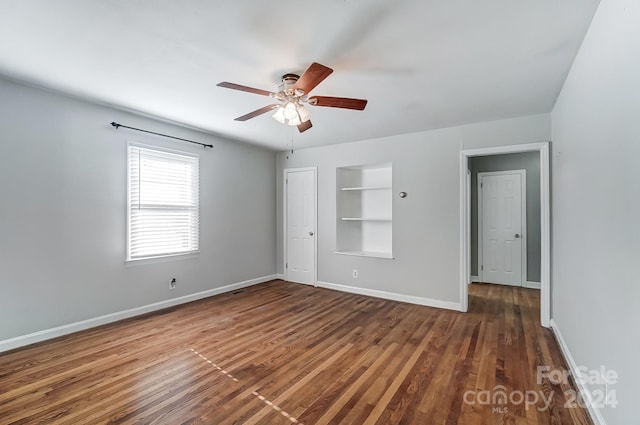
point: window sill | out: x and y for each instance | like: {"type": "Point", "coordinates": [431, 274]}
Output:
{"type": "Point", "coordinates": [161, 259]}
{"type": "Point", "coordinates": [385, 255]}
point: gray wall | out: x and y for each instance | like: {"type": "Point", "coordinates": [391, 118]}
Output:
{"type": "Point", "coordinates": [529, 161]}
{"type": "Point", "coordinates": [596, 204]}
{"type": "Point", "coordinates": [425, 224]}
{"type": "Point", "coordinates": [63, 214]}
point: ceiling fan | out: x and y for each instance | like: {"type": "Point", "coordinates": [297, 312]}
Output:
{"type": "Point", "coordinates": [293, 93]}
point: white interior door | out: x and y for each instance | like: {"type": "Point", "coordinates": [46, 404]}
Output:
{"type": "Point", "coordinates": [502, 224]}
{"type": "Point", "coordinates": [300, 225]}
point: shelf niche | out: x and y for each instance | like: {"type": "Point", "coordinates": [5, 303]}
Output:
{"type": "Point", "coordinates": [364, 210]}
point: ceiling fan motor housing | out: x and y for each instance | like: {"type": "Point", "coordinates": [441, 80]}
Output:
{"type": "Point", "coordinates": [288, 81]}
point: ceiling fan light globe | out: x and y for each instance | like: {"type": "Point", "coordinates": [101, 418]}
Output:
{"type": "Point", "coordinates": [290, 111]}
{"type": "Point", "coordinates": [295, 120]}
{"type": "Point", "coordinates": [304, 113]}
{"type": "Point", "coordinates": [279, 115]}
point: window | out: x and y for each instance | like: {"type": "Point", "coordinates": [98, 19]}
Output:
{"type": "Point", "coordinates": [163, 203]}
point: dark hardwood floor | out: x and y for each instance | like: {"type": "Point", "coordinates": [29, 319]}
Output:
{"type": "Point", "coordinates": [282, 353]}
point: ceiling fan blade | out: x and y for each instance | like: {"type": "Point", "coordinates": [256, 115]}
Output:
{"type": "Point", "coordinates": [304, 126]}
{"type": "Point", "coordinates": [257, 112]}
{"type": "Point", "coordinates": [234, 86]}
{"type": "Point", "coordinates": [313, 76]}
{"type": "Point", "coordinates": [338, 102]}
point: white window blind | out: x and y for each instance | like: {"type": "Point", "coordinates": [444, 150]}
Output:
{"type": "Point", "coordinates": [163, 203]}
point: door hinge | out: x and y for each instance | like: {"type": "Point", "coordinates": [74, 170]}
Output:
{"type": "Point", "coordinates": [287, 180]}
{"type": "Point", "coordinates": [482, 267]}
{"type": "Point", "coordinates": [286, 265]}
{"type": "Point", "coordinates": [481, 184]}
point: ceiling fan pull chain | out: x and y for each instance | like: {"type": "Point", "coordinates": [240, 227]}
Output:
{"type": "Point", "coordinates": [291, 139]}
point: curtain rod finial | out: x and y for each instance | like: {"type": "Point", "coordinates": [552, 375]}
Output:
{"type": "Point", "coordinates": [115, 124]}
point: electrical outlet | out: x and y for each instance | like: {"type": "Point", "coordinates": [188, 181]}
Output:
{"type": "Point", "coordinates": [172, 283]}
{"type": "Point", "coordinates": [355, 273]}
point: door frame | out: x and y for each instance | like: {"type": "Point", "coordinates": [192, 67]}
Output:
{"type": "Point", "coordinates": [523, 220]}
{"type": "Point", "coordinates": [285, 242]}
{"type": "Point", "coordinates": [545, 222]}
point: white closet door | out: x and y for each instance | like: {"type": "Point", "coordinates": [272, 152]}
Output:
{"type": "Point", "coordinates": [502, 229]}
{"type": "Point", "coordinates": [301, 219]}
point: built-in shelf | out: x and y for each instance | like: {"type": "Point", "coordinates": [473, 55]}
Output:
{"type": "Point", "coordinates": [385, 255]}
{"type": "Point", "coordinates": [364, 210]}
{"type": "Point", "coordinates": [366, 188]}
{"type": "Point", "coordinates": [364, 219]}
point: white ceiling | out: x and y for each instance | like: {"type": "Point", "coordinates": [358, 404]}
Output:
{"type": "Point", "coordinates": [422, 64]}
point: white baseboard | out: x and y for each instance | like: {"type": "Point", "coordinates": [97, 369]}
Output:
{"type": "Point", "coordinates": [475, 279]}
{"type": "Point", "coordinates": [23, 340]}
{"type": "Point", "coordinates": [392, 296]}
{"type": "Point", "coordinates": [596, 416]}
{"type": "Point", "coordinates": [280, 276]}
{"type": "Point", "coordinates": [531, 285]}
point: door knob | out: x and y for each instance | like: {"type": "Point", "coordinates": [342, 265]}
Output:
{"type": "Point", "coordinates": [310, 233]}
{"type": "Point", "coordinates": [517, 235]}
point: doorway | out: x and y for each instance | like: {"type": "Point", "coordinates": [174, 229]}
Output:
{"type": "Point", "coordinates": [300, 224]}
{"type": "Point", "coordinates": [545, 230]}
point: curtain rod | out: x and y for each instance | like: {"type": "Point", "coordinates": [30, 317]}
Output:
{"type": "Point", "coordinates": [116, 125]}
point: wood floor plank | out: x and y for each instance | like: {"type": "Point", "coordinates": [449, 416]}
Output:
{"type": "Point", "coordinates": [283, 353]}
